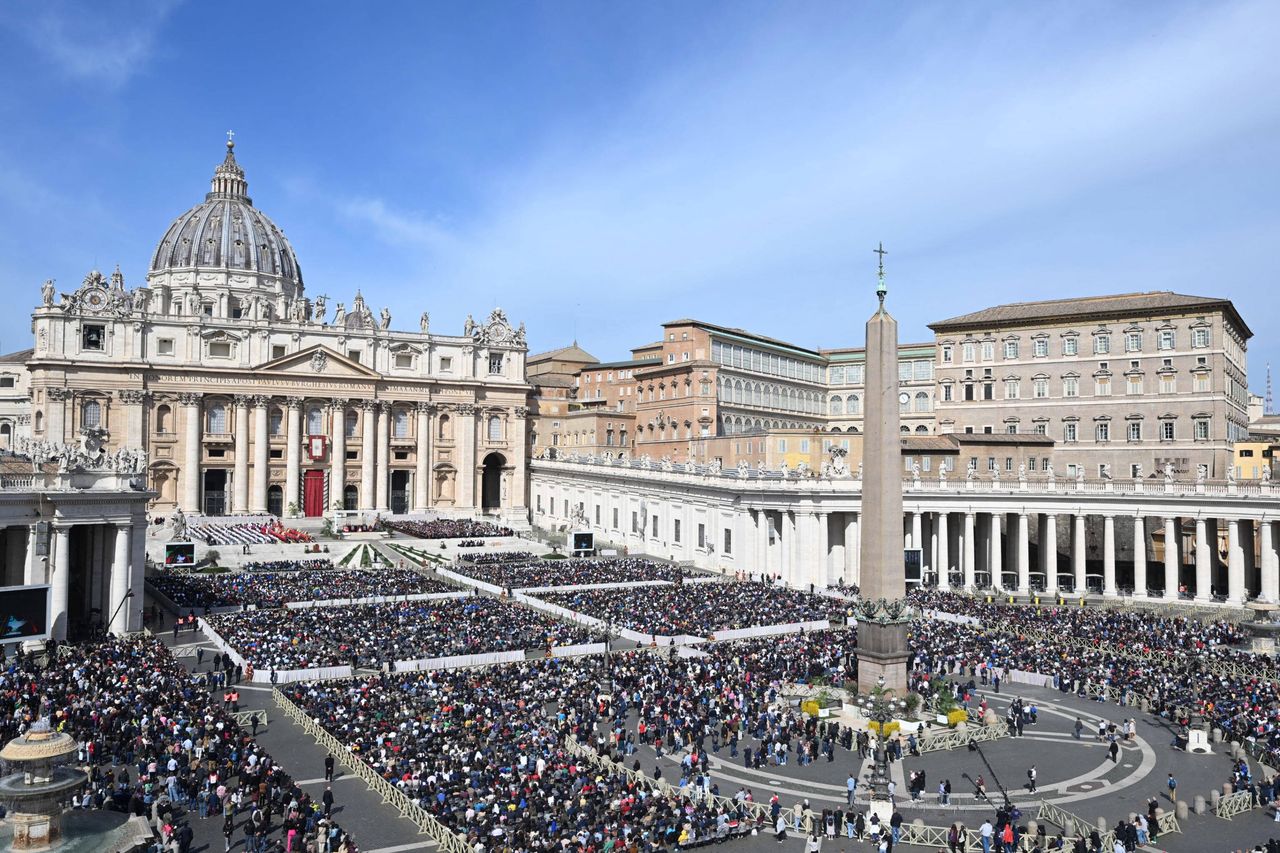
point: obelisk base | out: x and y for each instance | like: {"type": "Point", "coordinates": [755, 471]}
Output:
{"type": "Point", "coordinates": [882, 653]}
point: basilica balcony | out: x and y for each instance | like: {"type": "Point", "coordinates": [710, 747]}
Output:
{"type": "Point", "coordinates": [218, 439]}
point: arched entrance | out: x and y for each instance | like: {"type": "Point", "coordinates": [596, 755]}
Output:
{"type": "Point", "coordinates": [350, 497]}
{"type": "Point", "coordinates": [491, 481]}
{"type": "Point", "coordinates": [275, 501]}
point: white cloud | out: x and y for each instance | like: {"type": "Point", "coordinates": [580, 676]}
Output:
{"type": "Point", "coordinates": [103, 42]}
{"type": "Point", "coordinates": [393, 226]}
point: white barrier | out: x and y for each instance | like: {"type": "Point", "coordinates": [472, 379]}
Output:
{"type": "Point", "coordinates": [463, 579]}
{"type": "Point", "coordinates": [375, 599]}
{"type": "Point", "coordinates": [586, 586]}
{"type": "Point", "coordinates": [1036, 679]}
{"type": "Point", "coordinates": [557, 610]}
{"type": "Point", "coordinates": [690, 652]}
{"type": "Point", "coordinates": [580, 649]}
{"type": "Point", "coordinates": [283, 676]}
{"type": "Point", "coordinates": [951, 617]}
{"type": "Point", "coordinates": [660, 639]}
{"type": "Point", "coordinates": [459, 661]}
{"type": "Point", "coordinates": [770, 630]}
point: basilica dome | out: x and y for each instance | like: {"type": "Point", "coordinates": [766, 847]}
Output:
{"type": "Point", "coordinates": [226, 233]}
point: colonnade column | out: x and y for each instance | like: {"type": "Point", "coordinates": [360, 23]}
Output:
{"type": "Point", "coordinates": [1235, 563]}
{"type": "Point", "coordinates": [261, 454]}
{"type": "Point", "coordinates": [120, 574]}
{"type": "Point", "coordinates": [292, 451]}
{"type": "Point", "coordinates": [1270, 562]}
{"type": "Point", "coordinates": [337, 453]}
{"type": "Point", "coordinates": [1109, 555]}
{"type": "Point", "coordinates": [970, 570]}
{"type": "Point", "coordinates": [788, 547]}
{"type": "Point", "coordinates": [1171, 561]}
{"type": "Point", "coordinates": [997, 549]}
{"type": "Point", "coordinates": [59, 581]}
{"type": "Point", "coordinates": [191, 416]}
{"type": "Point", "coordinates": [762, 542]}
{"type": "Point", "coordinates": [1139, 556]}
{"type": "Point", "coordinates": [852, 549]}
{"type": "Point", "coordinates": [944, 551]}
{"type": "Point", "coordinates": [1024, 553]}
{"type": "Point", "coordinates": [240, 492]}
{"type": "Point", "coordinates": [520, 465]}
{"type": "Point", "coordinates": [368, 452]}
{"type": "Point", "coordinates": [1204, 561]}
{"type": "Point", "coordinates": [421, 459]}
{"type": "Point", "coordinates": [1049, 553]}
{"type": "Point", "coordinates": [1077, 554]}
{"type": "Point", "coordinates": [384, 454]}
{"type": "Point", "coordinates": [823, 520]}
{"type": "Point", "coordinates": [916, 534]}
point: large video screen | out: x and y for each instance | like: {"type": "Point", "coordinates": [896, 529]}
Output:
{"type": "Point", "coordinates": [180, 554]}
{"type": "Point", "coordinates": [584, 542]}
{"type": "Point", "coordinates": [24, 613]}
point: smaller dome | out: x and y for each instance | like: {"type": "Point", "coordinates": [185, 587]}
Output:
{"type": "Point", "coordinates": [226, 232]}
{"type": "Point", "coordinates": [39, 744]}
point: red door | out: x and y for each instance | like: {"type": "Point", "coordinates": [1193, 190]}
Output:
{"type": "Point", "coordinates": [313, 493]}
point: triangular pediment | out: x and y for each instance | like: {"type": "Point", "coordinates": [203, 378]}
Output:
{"type": "Point", "coordinates": [317, 360]}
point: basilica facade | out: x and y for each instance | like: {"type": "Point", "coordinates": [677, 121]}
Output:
{"type": "Point", "coordinates": [249, 396]}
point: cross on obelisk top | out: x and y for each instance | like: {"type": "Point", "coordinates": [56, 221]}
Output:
{"type": "Point", "coordinates": [881, 290]}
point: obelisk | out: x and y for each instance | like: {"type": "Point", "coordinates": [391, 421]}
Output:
{"type": "Point", "coordinates": [882, 624]}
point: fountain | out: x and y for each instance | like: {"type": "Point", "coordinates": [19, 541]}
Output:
{"type": "Point", "coordinates": [43, 781]}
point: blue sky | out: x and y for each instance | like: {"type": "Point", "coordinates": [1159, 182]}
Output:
{"type": "Point", "coordinates": [598, 168]}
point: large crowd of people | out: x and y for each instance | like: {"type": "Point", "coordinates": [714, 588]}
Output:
{"type": "Point", "coordinates": [698, 609]}
{"type": "Point", "coordinates": [515, 574]}
{"type": "Point", "coordinates": [450, 528]}
{"type": "Point", "coordinates": [157, 744]}
{"type": "Point", "coordinates": [274, 588]}
{"type": "Point", "coordinates": [374, 634]}
{"type": "Point", "coordinates": [486, 755]}
{"type": "Point", "coordinates": [255, 533]}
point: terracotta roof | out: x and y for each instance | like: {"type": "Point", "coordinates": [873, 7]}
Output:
{"type": "Point", "coordinates": [1116, 305]}
{"type": "Point", "coordinates": [929, 444]}
{"type": "Point", "coordinates": [742, 333]}
{"type": "Point", "coordinates": [573, 352]}
{"type": "Point", "coordinates": [21, 356]}
{"type": "Point", "coordinates": [551, 380]}
{"type": "Point", "coordinates": [995, 438]}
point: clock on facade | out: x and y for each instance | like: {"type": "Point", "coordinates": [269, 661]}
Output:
{"type": "Point", "coordinates": [904, 398]}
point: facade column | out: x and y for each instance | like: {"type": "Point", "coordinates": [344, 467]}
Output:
{"type": "Point", "coordinates": [337, 452]}
{"type": "Point", "coordinates": [134, 403]}
{"type": "Point", "coordinates": [1204, 564]}
{"type": "Point", "coordinates": [1139, 556]}
{"type": "Point", "coordinates": [517, 441]}
{"type": "Point", "coordinates": [1270, 569]}
{"type": "Point", "coordinates": [1078, 554]}
{"type": "Point", "coordinates": [1109, 555]}
{"type": "Point", "coordinates": [853, 549]}
{"type": "Point", "coordinates": [1024, 553]}
{"type": "Point", "coordinates": [422, 459]}
{"type": "Point", "coordinates": [944, 551]}
{"type": "Point", "coordinates": [1235, 563]}
{"type": "Point", "coordinates": [261, 455]}
{"type": "Point", "coordinates": [59, 582]}
{"type": "Point", "coordinates": [1171, 561]}
{"type": "Point", "coordinates": [823, 575]}
{"type": "Point", "coordinates": [916, 537]}
{"type": "Point", "coordinates": [970, 569]}
{"type": "Point", "coordinates": [191, 415]}
{"type": "Point", "coordinates": [997, 549]}
{"type": "Point", "coordinates": [382, 486]}
{"type": "Point", "coordinates": [121, 573]}
{"type": "Point", "coordinates": [292, 452]}
{"type": "Point", "coordinates": [240, 492]}
{"type": "Point", "coordinates": [1049, 553]}
{"type": "Point", "coordinates": [761, 543]}
{"type": "Point", "coordinates": [465, 436]}
{"type": "Point", "coordinates": [368, 452]}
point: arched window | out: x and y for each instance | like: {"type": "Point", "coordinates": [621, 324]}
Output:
{"type": "Point", "coordinates": [164, 419]}
{"type": "Point", "coordinates": [922, 429]}
{"type": "Point", "coordinates": [922, 401]}
{"type": "Point", "coordinates": [315, 421]}
{"type": "Point", "coordinates": [495, 428]}
{"type": "Point", "coordinates": [39, 421]}
{"type": "Point", "coordinates": [906, 430]}
{"type": "Point", "coordinates": [855, 405]}
{"type": "Point", "coordinates": [275, 422]}
{"type": "Point", "coordinates": [837, 406]}
{"type": "Point", "coordinates": [350, 423]}
{"type": "Point", "coordinates": [91, 414]}
{"type": "Point", "coordinates": [400, 423]}
{"type": "Point", "coordinates": [6, 434]}
{"type": "Point", "coordinates": [446, 428]}
{"type": "Point", "coordinates": [218, 417]}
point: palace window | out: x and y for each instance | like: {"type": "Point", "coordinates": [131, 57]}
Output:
{"type": "Point", "coordinates": [495, 363]}
{"type": "Point", "coordinates": [1133, 342]}
{"type": "Point", "coordinates": [164, 417]}
{"type": "Point", "coordinates": [1101, 344]}
{"type": "Point", "coordinates": [220, 349]}
{"type": "Point", "coordinates": [275, 422]}
{"type": "Point", "coordinates": [1165, 339]}
{"type": "Point", "coordinates": [164, 346]}
{"type": "Point", "coordinates": [1040, 388]}
{"type": "Point", "coordinates": [350, 423]}
{"type": "Point", "coordinates": [315, 421]}
{"type": "Point", "coordinates": [93, 337]}
{"type": "Point", "coordinates": [1200, 338]}
{"type": "Point", "coordinates": [1135, 431]}
{"type": "Point", "coordinates": [91, 414]}
{"type": "Point", "coordinates": [400, 423]}
{"type": "Point", "coordinates": [1201, 429]}
{"type": "Point", "coordinates": [1070, 432]}
{"type": "Point", "coordinates": [404, 359]}
{"type": "Point", "coordinates": [1070, 387]}
{"type": "Point", "coordinates": [495, 428]}
{"type": "Point", "coordinates": [1102, 431]}
{"type": "Point", "coordinates": [1166, 431]}
{"type": "Point", "coordinates": [218, 418]}
{"type": "Point", "coordinates": [1041, 347]}
{"type": "Point", "coordinates": [1070, 345]}
{"type": "Point", "coordinates": [1010, 349]}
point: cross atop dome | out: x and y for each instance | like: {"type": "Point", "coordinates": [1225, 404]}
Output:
{"type": "Point", "coordinates": [228, 178]}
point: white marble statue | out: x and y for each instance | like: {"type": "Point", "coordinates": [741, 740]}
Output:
{"type": "Point", "coordinates": [46, 293]}
{"type": "Point", "coordinates": [424, 323]}
{"type": "Point", "coordinates": [386, 318]}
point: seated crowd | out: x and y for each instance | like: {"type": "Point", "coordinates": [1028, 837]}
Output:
{"type": "Point", "coordinates": [273, 589]}
{"type": "Point", "coordinates": [450, 528]}
{"type": "Point", "coordinates": [154, 740]}
{"type": "Point", "coordinates": [286, 566]}
{"type": "Point", "coordinates": [514, 574]}
{"type": "Point", "coordinates": [491, 557]}
{"type": "Point", "coordinates": [486, 756]}
{"type": "Point", "coordinates": [370, 635]}
{"type": "Point", "coordinates": [1180, 665]}
{"type": "Point", "coordinates": [268, 533]}
{"type": "Point", "coordinates": [698, 609]}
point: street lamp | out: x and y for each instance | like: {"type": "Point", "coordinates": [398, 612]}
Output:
{"type": "Point", "coordinates": [880, 707]}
